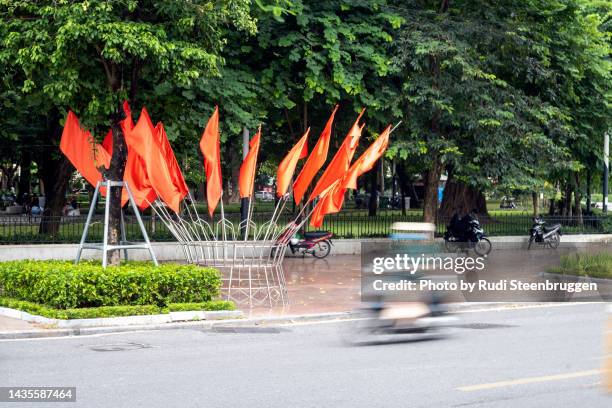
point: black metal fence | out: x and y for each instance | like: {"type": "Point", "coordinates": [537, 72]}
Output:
{"type": "Point", "coordinates": [349, 224]}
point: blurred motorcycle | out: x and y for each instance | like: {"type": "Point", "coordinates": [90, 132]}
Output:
{"type": "Point", "coordinates": [388, 321]}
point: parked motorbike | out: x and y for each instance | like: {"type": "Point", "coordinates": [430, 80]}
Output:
{"type": "Point", "coordinates": [315, 243]}
{"type": "Point", "coordinates": [466, 231]}
{"type": "Point", "coordinates": [544, 235]}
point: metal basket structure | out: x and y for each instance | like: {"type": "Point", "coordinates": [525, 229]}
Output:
{"type": "Point", "coordinates": [248, 256]}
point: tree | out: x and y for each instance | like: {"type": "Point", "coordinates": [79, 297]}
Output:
{"type": "Point", "coordinates": [482, 92]}
{"type": "Point", "coordinates": [91, 55]}
{"type": "Point", "coordinates": [323, 53]}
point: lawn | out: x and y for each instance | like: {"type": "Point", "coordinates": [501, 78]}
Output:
{"type": "Point", "coordinates": [597, 265]}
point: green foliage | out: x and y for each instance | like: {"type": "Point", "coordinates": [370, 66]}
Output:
{"type": "Point", "coordinates": [211, 305]}
{"type": "Point", "coordinates": [63, 285]}
{"type": "Point", "coordinates": [88, 55]}
{"type": "Point", "coordinates": [111, 311]}
{"type": "Point", "coordinates": [584, 264]}
{"type": "Point", "coordinates": [506, 94]}
{"type": "Point", "coordinates": [497, 87]}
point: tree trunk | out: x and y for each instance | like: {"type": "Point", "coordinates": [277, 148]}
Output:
{"type": "Point", "coordinates": [381, 164]}
{"type": "Point", "coordinates": [535, 198]}
{"type": "Point", "coordinates": [25, 177]}
{"type": "Point", "coordinates": [588, 191]}
{"type": "Point", "coordinates": [373, 203]}
{"type": "Point", "coordinates": [115, 173]}
{"type": "Point", "coordinates": [401, 178]}
{"type": "Point", "coordinates": [55, 171]}
{"type": "Point", "coordinates": [461, 198]}
{"type": "Point", "coordinates": [567, 199]}
{"type": "Point", "coordinates": [577, 198]}
{"type": "Point", "coordinates": [235, 162]}
{"type": "Point", "coordinates": [430, 197]}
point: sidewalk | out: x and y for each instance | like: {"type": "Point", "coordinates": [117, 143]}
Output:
{"type": "Point", "coordinates": [9, 324]}
{"type": "Point", "coordinates": [317, 286]}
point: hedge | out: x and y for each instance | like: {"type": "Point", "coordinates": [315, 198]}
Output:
{"type": "Point", "coordinates": [111, 311]}
{"type": "Point", "coordinates": [64, 285]}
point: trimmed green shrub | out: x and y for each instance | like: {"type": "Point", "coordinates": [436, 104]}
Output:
{"type": "Point", "coordinates": [111, 311]}
{"type": "Point", "coordinates": [64, 285]}
{"type": "Point", "coordinates": [208, 306]}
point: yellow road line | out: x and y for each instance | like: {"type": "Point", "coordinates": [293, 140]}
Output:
{"type": "Point", "coordinates": [529, 380]}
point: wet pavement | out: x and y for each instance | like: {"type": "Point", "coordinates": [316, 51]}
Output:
{"type": "Point", "coordinates": [333, 284]}
{"type": "Point", "coordinates": [317, 286]}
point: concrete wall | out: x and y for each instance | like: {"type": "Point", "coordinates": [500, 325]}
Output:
{"type": "Point", "coordinates": [167, 251]}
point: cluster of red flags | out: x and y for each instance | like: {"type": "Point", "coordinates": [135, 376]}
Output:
{"type": "Point", "coordinates": [332, 198]}
{"type": "Point", "coordinates": [339, 175]}
{"type": "Point", "coordinates": [151, 169]}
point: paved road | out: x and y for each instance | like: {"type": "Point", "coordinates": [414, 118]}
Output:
{"type": "Point", "coordinates": [539, 357]}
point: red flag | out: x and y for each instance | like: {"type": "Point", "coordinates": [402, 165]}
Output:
{"type": "Point", "coordinates": [246, 181]}
{"type": "Point", "coordinates": [341, 161]}
{"type": "Point", "coordinates": [332, 199]}
{"type": "Point", "coordinates": [362, 165]}
{"type": "Point", "coordinates": [135, 168]}
{"type": "Point", "coordinates": [141, 139]}
{"type": "Point", "coordinates": [315, 161]}
{"type": "Point", "coordinates": [135, 175]}
{"type": "Point", "coordinates": [367, 160]}
{"type": "Point", "coordinates": [210, 147]}
{"type": "Point", "coordinates": [175, 171]}
{"type": "Point", "coordinates": [287, 167]}
{"type": "Point", "coordinates": [82, 151]}
{"type": "Point", "coordinates": [325, 205]}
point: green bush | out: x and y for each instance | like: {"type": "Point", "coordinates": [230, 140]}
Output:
{"type": "Point", "coordinates": [597, 265]}
{"type": "Point", "coordinates": [208, 306]}
{"type": "Point", "coordinates": [63, 285]}
{"type": "Point", "coordinates": [111, 311]}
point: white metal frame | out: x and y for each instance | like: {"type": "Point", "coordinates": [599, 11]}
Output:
{"type": "Point", "coordinates": [124, 244]}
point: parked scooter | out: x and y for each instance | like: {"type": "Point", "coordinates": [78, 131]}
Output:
{"type": "Point", "coordinates": [316, 243]}
{"type": "Point", "coordinates": [466, 231]}
{"type": "Point", "coordinates": [545, 235]}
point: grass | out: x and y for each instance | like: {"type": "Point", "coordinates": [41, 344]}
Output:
{"type": "Point", "coordinates": [111, 311]}
{"type": "Point", "coordinates": [597, 265]}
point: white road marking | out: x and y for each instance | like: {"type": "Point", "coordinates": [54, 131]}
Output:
{"type": "Point", "coordinates": [529, 380]}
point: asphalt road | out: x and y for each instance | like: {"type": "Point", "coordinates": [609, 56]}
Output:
{"type": "Point", "coordinates": [538, 357]}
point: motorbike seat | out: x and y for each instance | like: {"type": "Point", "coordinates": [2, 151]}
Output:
{"type": "Point", "coordinates": [548, 228]}
{"type": "Point", "coordinates": [315, 234]}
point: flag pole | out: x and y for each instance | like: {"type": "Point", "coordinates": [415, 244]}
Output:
{"type": "Point", "coordinates": [248, 220]}
{"type": "Point", "coordinates": [223, 232]}
{"type": "Point", "coordinates": [250, 208]}
{"type": "Point", "coordinates": [276, 214]}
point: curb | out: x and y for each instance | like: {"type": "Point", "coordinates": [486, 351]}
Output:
{"type": "Point", "coordinates": [122, 320]}
{"type": "Point", "coordinates": [198, 325]}
{"type": "Point", "coordinates": [258, 321]}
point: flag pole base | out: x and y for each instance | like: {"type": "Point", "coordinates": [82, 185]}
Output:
{"type": "Point", "coordinates": [124, 244]}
